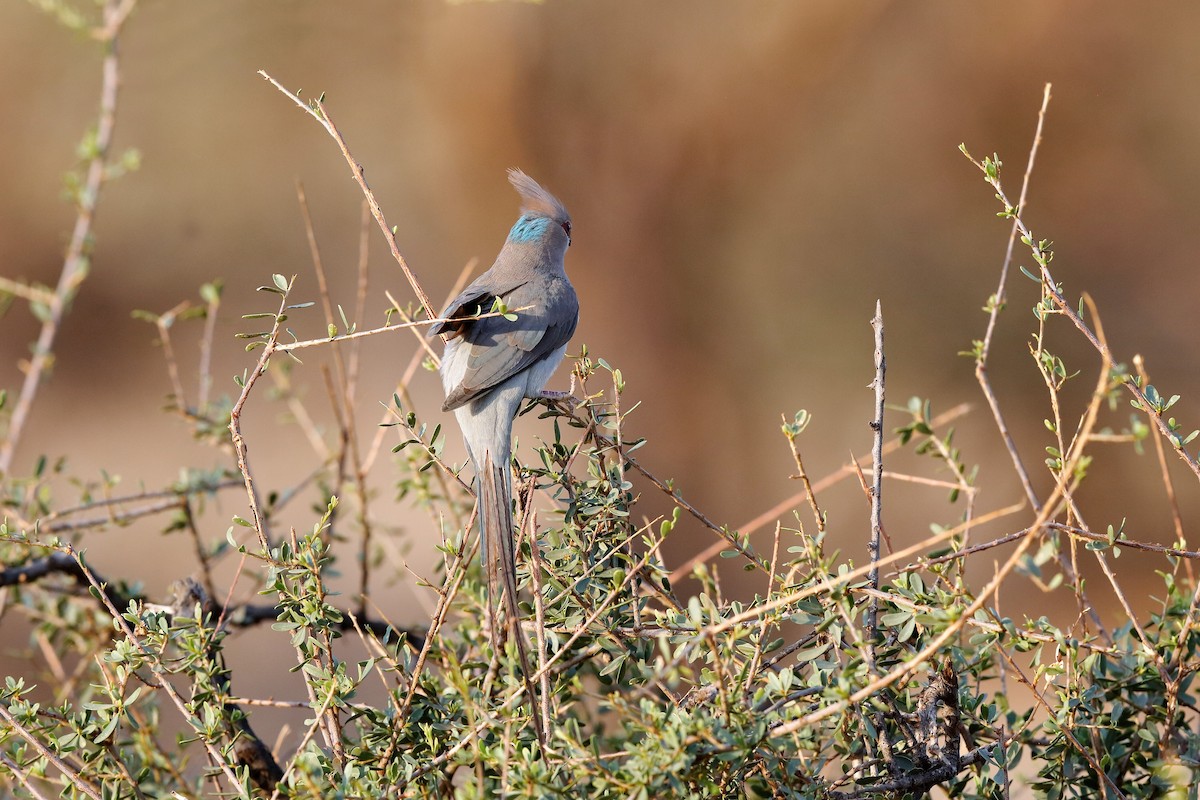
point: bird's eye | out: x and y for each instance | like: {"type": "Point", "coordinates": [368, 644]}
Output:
{"type": "Point", "coordinates": [566, 226]}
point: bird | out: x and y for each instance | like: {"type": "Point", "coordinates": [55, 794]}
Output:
{"type": "Point", "coordinates": [491, 365]}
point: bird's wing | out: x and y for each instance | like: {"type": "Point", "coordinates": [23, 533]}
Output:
{"type": "Point", "coordinates": [475, 299]}
{"type": "Point", "coordinates": [500, 348]}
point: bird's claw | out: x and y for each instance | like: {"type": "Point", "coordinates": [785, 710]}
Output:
{"type": "Point", "coordinates": [567, 398]}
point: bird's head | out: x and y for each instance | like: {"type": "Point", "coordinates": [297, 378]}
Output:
{"type": "Point", "coordinates": [544, 219]}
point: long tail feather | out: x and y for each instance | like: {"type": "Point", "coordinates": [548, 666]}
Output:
{"type": "Point", "coordinates": [499, 560]}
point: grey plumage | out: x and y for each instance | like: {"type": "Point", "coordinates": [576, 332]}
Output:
{"type": "Point", "coordinates": [491, 365]}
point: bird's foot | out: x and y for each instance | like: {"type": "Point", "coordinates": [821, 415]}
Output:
{"type": "Point", "coordinates": [566, 398]}
{"type": "Point", "coordinates": [564, 401]}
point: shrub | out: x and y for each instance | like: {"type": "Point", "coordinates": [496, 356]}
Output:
{"type": "Point", "coordinates": [834, 681]}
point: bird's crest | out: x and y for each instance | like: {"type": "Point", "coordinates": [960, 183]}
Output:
{"type": "Point", "coordinates": [535, 200]}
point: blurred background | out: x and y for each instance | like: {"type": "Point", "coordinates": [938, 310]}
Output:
{"type": "Point", "coordinates": [746, 180]}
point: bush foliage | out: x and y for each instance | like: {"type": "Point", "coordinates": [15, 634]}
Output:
{"type": "Point", "coordinates": [884, 679]}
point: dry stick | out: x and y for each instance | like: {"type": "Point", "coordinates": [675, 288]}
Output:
{"type": "Point", "coordinates": [1133, 544]}
{"type": "Point", "coordinates": [923, 481]}
{"type": "Point", "coordinates": [235, 430]}
{"type": "Point", "coordinates": [345, 337]}
{"type": "Point", "coordinates": [867, 493]}
{"type": "Point", "coordinates": [189, 520]}
{"type": "Point", "coordinates": [756, 659]}
{"type": "Point", "coordinates": [345, 414]}
{"type": "Point", "coordinates": [111, 518]}
{"type": "Point", "coordinates": [321, 115]}
{"type": "Point", "coordinates": [998, 302]}
{"type": "Point", "coordinates": [802, 476]}
{"type": "Point", "coordinates": [76, 261]}
{"type": "Point", "coordinates": [1140, 365]}
{"type": "Point", "coordinates": [529, 531]}
{"type": "Point", "coordinates": [773, 513]}
{"type": "Point", "coordinates": [869, 619]}
{"type": "Point", "coordinates": [966, 551]}
{"type": "Point", "coordinates": [163, 323]}
{"type": "Point", "coordinates": [49, 520]}
{"type": "Point", "coordinates": [360, 301]}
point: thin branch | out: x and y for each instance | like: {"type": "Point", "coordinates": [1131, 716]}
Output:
{"type": "Point", "coordinates": [318, 112]}
{"type": "Point", "coordinates": [997, 303]}
{"type": "Point", "coordinates": [258, 519]}
{"type": "Point", "coordinates": [77, 260]}
{"type": "Point", "coordinates": [877, 482]}
{"type": "Point", "coordinates": [288, 347]}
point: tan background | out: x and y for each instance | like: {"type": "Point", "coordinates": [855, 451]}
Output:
{"type": "Point", "coordinates": [746, 180]}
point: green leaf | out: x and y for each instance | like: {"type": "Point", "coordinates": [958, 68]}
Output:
{"type": "Point", "coordinates": [210, 293]}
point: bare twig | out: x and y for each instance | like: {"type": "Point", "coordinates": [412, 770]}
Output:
{"type": "Point", "coordinates": [877, 482]}
{"type": "Point", "coordinates": [258, 519]}
{"type": "Point", "coordinates": [790, 432]}
{"type": "Point", "coordinates": [1140, 365]}
{"type": "Point", "coordinates": [997, 303]}
{"type": "Point", "coordinates": [75, 264]}
{"type": "Point", "coordinates": [287, 347]}
{"type": "Point", "coordinates": [318, 112]}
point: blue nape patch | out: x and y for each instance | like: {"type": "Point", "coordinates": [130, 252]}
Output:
{"type": "Point", "coordinates": [529, 229]}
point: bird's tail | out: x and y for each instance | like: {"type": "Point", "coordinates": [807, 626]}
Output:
{"type": "Point", "coordinates": [499, 563]}
{"type": "Point", "coordinates": [495, 522]}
